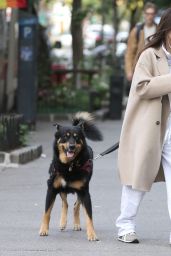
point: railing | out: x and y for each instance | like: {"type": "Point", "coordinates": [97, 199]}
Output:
{"type": "Point", "coordinates": [60, 72]}
{"type": "Point", "coordinates": [10, 131]}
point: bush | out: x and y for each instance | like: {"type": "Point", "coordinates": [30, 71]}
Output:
{"type": "Point", "coordinates": [63, 99]}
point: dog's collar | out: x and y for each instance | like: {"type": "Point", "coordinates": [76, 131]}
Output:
{"type": "Point", "coordinates": [87, 166]}
{"type": "Point", "coordinates": [71, 167]}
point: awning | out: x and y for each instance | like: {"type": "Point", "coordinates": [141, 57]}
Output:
{"type": "Point", "coordinates": [13, 4]}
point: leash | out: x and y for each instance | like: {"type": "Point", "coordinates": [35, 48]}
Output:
{"type": "Point", "coordinates": [107, 151]}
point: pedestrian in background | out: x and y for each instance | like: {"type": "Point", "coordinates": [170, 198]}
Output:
{"type": "Point", "coordinates": [144, 154]}
{"type": "Point", "coordinates": [137, 39]}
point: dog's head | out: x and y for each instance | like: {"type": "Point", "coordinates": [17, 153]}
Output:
{"type": "Point", "coordinates": [69, 141]}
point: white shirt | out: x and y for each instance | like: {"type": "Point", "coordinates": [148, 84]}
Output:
{"type": "Point", "coordinates": [149, 31]}
{"type": "Point", "coordinates": [168, 56]}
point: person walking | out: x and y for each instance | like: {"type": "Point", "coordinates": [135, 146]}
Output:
{"type": "Point", "coordinates": [144, 154]}
{"type": "Point", "coordinates": [137, 39]}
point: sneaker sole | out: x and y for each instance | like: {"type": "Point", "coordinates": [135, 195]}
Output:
{"type": "Point", "coordinates": [136, 241]}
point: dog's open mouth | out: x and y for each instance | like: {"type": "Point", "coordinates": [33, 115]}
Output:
{"type": "Point", "coordinates": [70, 154]}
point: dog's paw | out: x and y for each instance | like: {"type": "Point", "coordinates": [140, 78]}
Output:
{"type": "Point", "coordinates": [43, 232]}
{"type": "Point", "coordinates": [77, 227]}
{"type": "Point", "coordinates": [92, 237]}
{"type": "Point", "coordinates": [63, 224]}
{"type": "Point", "coordinates": [62, 227]}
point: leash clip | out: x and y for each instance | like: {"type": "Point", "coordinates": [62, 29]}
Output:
{"type": "Point", "coordinates": [98, 156]}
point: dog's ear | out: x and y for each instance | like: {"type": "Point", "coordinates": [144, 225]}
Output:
{"type": "Point", "coordinates": [57, 126]}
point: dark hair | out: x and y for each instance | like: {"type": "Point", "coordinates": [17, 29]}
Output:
{"type": "Point", "coordinates": [163, 27]}
{"type": "Point", "coordinates": [150, 5]}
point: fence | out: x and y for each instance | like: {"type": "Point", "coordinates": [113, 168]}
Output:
{"type": "Point", "coordinates": [10, 131]}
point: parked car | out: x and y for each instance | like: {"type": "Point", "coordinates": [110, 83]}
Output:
{"type": "Point", "coordinates": [122, 37]}
{"type": "Point", "coordinates": [61, 52]}
{"type": "Point", "coordinates": [61, 58]}
{"type": "Point", "coordinates": [93, 35]}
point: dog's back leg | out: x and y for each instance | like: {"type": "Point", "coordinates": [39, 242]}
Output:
{"type": "Point", "coordinates": [50, 199]}
{"type": "Point", "coordinates": [77, 215]}
{"type": "Point", "coordinates": [86, 202]}
{"type": "Point", "coordinates": [63, 220]}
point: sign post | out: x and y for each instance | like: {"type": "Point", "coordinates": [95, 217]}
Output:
{"type": "Point", "coordinates": [27, 72]}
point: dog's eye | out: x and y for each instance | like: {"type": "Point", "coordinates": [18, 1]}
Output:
{"type": "Point", "coordinates": [67, 135]}
{"type": "Point", "coordinates": [77, 138]}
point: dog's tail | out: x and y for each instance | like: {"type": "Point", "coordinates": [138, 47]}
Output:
{"type": "Point", "coordinates": [85, 119]}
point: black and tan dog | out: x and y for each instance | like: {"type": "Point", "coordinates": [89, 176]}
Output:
{"type": "Point", "coordinates": [71, 170]}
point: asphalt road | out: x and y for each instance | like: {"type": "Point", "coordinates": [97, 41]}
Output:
{"type": "Point", "coordinates": [22, 198]}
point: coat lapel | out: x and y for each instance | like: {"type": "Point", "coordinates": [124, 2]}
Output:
{"type": "Point", "coordinates": [162, 64]}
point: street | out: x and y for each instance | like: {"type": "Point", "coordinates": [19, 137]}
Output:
{"type": "Point", "coordinates": [22, 200]}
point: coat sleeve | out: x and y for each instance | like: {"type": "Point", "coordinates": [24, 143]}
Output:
{"type": "Point", "coordinates": [148, 86]}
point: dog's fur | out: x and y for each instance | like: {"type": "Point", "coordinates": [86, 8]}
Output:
{"type": "Point", "coordinates": [71, 170]}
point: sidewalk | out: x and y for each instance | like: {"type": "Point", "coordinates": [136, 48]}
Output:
{"type": "Point", "coordinates": [22, 199]}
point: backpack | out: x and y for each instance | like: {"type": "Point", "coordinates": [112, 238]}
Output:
{"type": "Point", "coordinates": [139, 27]}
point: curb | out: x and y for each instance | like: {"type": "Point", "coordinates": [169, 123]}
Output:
{"type": "Point", "coordinates": [20, 156]}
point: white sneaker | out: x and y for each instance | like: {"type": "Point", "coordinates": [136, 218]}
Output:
{"type": "Point", "coordinates": [129, 238]}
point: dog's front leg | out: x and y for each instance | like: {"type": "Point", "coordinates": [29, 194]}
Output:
{"type": "Point", "coordinates": [63, 220]}
{"type": "Point", "coordinates": [77, 215]}
{"type": "Point", "coordinates": [50, 199]}
{"type": "Point", "coordinates": [86, 201]}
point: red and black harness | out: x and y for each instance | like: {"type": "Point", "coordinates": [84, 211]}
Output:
{"type": "Point", "coordinates": [87, 166]}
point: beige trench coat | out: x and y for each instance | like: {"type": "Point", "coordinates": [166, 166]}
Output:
{"type": "Point", "coordinates": [144, 124]}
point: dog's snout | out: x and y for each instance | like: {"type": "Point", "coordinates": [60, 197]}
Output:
{"type": "Point", "coordinates": [72, 146]}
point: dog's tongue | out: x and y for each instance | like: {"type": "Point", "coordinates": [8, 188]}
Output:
{"type": "Point", "coordinates": [70, 154]}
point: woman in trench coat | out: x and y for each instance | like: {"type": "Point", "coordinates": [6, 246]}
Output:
{"type": "Point", "coordinates": [144, 154]}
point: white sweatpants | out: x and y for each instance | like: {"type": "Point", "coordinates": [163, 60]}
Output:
{"type": "Point", "coordinates": [130, 199]}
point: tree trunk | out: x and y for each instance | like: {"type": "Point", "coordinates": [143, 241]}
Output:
{"type": "Point", "coordinates": [115, 25]}
{"type": "Point", "coordinates": [77, 40]}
